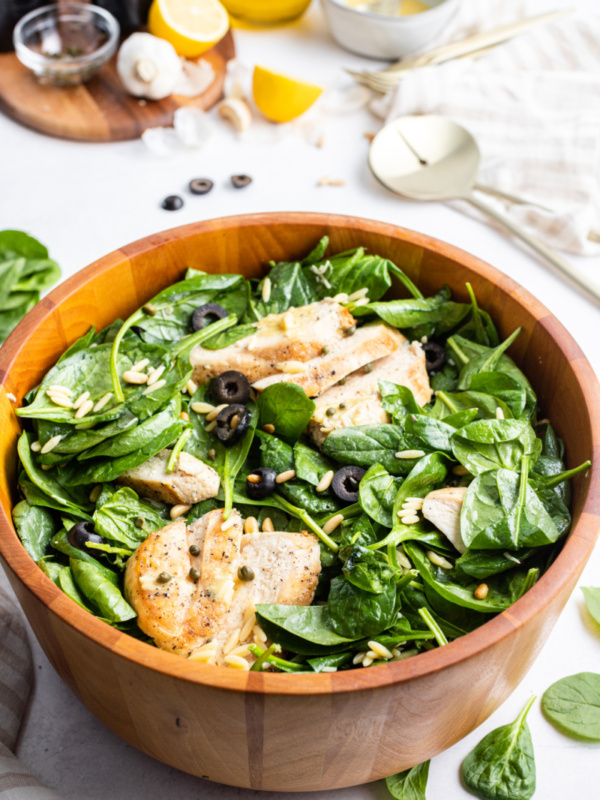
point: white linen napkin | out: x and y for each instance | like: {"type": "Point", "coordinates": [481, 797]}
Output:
{"type": "Point", "coordinates": [533, 105]}
{"type": "Point", "coordinates": [16, 678]}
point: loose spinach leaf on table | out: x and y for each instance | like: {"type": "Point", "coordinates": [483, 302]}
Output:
{"type": "Point", "coordinates": [286, 407]}
{"type": "Point", "coordinates": [365, 445]}
{"type": "Point", "coordinates": [377, 491]}
{"type": "Point", "coordinates": [502, 765]}
{"type": "Point", "coordinates": [410, 784]}
{"type": "Point", "coordinates": [35, 526]}
{"type": "Point", "coordinates": [572, 705]}
{"type": "Point", "coordinates": [102, 594]}
{"type": "Point", "coordinates": [592, 601]}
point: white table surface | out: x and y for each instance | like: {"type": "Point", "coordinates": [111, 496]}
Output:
{"type": "Point", "coordinates": [84, 200]}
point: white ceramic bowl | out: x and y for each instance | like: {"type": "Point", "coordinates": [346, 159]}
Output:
{"type": "Point", "coordinates": [386, 37]}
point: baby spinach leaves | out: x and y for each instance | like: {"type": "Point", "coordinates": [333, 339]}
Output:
{"type": "Point", "coordinates": [592, 601]}
{"type": "Point", "coordinates": [439, 313]}
{"type": "Point", "coordinates": [502, 766]}
{"type": "Point", "coordinates": [102, 594]}
{"type": "Point", "coordinates": [572, 705]}
{"type": "Point", "coordinates": [356, 613]}
{"type": "Point", "coordinates": [410, 784]}
{"type": "Point", "coordinates": [365, 445]}
{"type": "Point", "coordinates": [35, 527]}
{"type": "Point", "coordinates": [488, 444]}
{"type": "Point", "coordinates": [124, 518]}
{"type": "Point", "coordinates": [305, 630]}
{"type": "Point", "coordinates": [286, 407]}
{"type": "Point", "coordinates": [376, 494]}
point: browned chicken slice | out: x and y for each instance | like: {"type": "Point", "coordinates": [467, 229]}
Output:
{"type": "Point", "coordinates": [191, 482]}
{"type": "Point", "coordinates": [178, 612]}
{"type": "Point", "coordinates": [442, 508]}
{"type": "Point", "coordinates": [367, 344]}
{"type": "Point", "coordinates": [359, 395]}
{"type": "Point", "coordinates": [286, 568]}
{"type": "Point", "coordinates": [296, 336]}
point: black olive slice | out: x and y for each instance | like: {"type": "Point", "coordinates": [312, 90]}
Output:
{"type": "Point", "coordinates": [232, 424]}
{"type": "Point", "coordinates": [264, 486]}
{"type": "Point", "coordinates": [172, 203]}
{"type": "Point", "coordinates": [435, 357]}
{"type": "Point", "coordinates": [200, 186]}
{"type": "Point", "coordinates": [82, 533]}
{"type": "Point", "coordinates": [239, 181]}
{"type": "Point", "coordinates": [207, 314]}
{"type": "Point", "coordinates": [230, 387]}
{"type": "Point", "coordinates": [345, 483]}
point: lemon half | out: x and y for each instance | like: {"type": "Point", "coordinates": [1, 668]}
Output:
{"type": "Point", "coordinates": [191, 26]}
{"type": "Point", "coordinates": [282, 99]}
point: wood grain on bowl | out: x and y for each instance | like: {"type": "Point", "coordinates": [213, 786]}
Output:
{"type": "Point", "coordinates": [297, 732]}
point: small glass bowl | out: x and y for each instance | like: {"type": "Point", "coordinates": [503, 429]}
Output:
{"type": "Point", "coordinates": [65, 44]}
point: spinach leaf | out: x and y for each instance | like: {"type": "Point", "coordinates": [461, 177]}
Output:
{"type": "Point", "coordinates": [439, 312]}
{"type": "Point", "coordinates": [425, 433]}
{"type": "Point", "coordinates": [572, 705]}
{"type": "Point", "coordinates": [398, 401]}
{"type": "Point", "coordinates": [230, 336]}
{"type": "Point", "coordinates": [367, 569]}
{"type": "Point", "coordinates": [309, 464]}
{"type": "Point", "coordinates": [75, 442]}
{"type": "Point", "coordinates": [481, 564]}
{"type": "Point", "coordinates": [70, 588]}
{"type": "Point", "coordinates": [327, 663]}
{"type": "Point", "coordinates": [359, 532]}
{"type": "Point", "coordinates": [376, 493]}
{"type": "Point", "coordinates": [451, 404]}
{"type": "Point", "coordinates": [275, 453]}
{"type": "Point", "coordinates": [487, 444]}
{"type": "Point", "coordinates": [35, 527]}
{"type": "Point", "coordinates": [357, 614]}
{"type": "Point", "coordinates": [51, 569]}
{"type": "Point", "coordinates": [61, 543]}
{"type": "Point", "coordinates": [505, 388]}
{"type": "Point", "coordinates": [501, 511]}
{"type": "Point", "coordinates": [365, 445]}
{"type": "Point", "coordinates": [286, 407]}
{"type": "Point", "coordinates": [124, 518]}
{"type": "Point", "coordinates": [410, 784]}
{"type": "Point", "coordinates": [102, 593]}
{"type": "Point", "coordinates": [502, 765]}
{"type": "Point", "coordinates": [479, 327]}
{"type": "Point", "coordinates": [592, 601]}
{"type": "Point", "coordinates": [301, 629]}
{"type": "Point", "coordinates": [289, 288]}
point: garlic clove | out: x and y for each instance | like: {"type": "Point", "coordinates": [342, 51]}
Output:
{"type": "Point", "coordinates": [237, 112]}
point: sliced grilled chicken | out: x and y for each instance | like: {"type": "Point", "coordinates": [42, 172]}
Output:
{"type": "Point", "coordinates": [442, 508]}
{"type": "Point", "coordinates": [367, 344]}
{"type": "Point", "coordinates": [180, 614]}
{"type": "Point", "coordinates": [297, 335]}
{"type": "Point", "coordinates": [191, 482]}
{"type": "Point", "coordinates": [359, 394]}
{"type": "Point", "coordinates": [286, 569]}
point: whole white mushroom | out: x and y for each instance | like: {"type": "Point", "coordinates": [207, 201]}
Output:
{"type": "Point", "coordinates": [148, 66]}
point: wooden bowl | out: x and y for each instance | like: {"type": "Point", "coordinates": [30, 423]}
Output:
{"type": "Point", "coordinates": [297, 732]}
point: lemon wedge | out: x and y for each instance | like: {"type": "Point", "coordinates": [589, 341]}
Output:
{"type": "Point", "coordinates": [282, 99]}
{"type": "Point", "coordinates": [191, 26]}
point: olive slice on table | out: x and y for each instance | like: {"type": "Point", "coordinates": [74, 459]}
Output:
{"type": "Point", "coordinates": [261, 483]}
{"type": "Point", "coordinates": [200, 186]}
{"type": "Point", "coordinates": [435, 357]}
{"type": "Point", "coordinates": [172, 203]}
{"type": "Point", "coordinates": [344, 485]}
{"type": "Point", "coordinates": [239, 181]}
{"type": "Point", "coordinates": [207, 314]}
{"type": "Point", "coordinates": [230, 387]}
{"type": "Point", "coordinates": [232, 424]}
{"type": "Point", "coordinates": [82, 533]}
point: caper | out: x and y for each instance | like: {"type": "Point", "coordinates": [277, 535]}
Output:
{"type": "Point", "coordinates": [164, 577]}
{"type": "Point", "coordinates": [324, 351]}
{"type": "Point", "coordinates": [342, 381]}
{"type": "Point", "coordinates": [350, 331]}
{"type": "Point", "coordinates": [140, 522]}
{"type": "Point", "coordinates": [194, 550]}
{"type": "Point", "coordinates": [368, 368]}
{"type": "Point", "coordinates": [330, 412]}
{"type": "Point", "coordinates": [246, 573]}
{"type": "Point", "coordinates": [343, 405]}
{"type": "Point", "coordinates": [211, 455]}
{"type": "Point", "coordinates": [194, 574]}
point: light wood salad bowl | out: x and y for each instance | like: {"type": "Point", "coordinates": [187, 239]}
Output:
{"type": "Point", "coordinates": [297, 732]}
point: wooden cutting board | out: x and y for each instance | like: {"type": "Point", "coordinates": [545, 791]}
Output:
{"type": "Point", "coordinates": [101, 110]}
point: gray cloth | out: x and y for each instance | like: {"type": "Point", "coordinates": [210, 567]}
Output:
{"type": "Point", "coordinates": [16, 678]}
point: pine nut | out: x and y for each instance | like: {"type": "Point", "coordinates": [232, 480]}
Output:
{"type": "Point", "coordinates": [358, 295]}
{"type": "Point", "coordinates": [266, 290]}
{"type": "Point", "coordinates": [81, 400]}
{"type": "Point", "coordinates": [380, 650]}
{"type": "Point", "coordinates": [247, 627]}
{"type": "Point", "coordinates": [395, 651]}
{"type": "Point", "coordinates": [403, 559]}
{"type": "Point", "coordinates": [228, 523]}
{"type": "Point", "coordinates": [140, 365]}
{"type": "Point", "coordinates": [191, 387]}
{"type": "Point", "coordinates": [134, 377]}
{"type": "Point", "coordinates": [414, 500]}
{"type": "Point", "coordinates": [325, 481]}
{"type": "Point", "coordinates": [60, 390]}
{"type": "Point", "coordinates": [102, 402]}
{"type": "Point", "coordinates": [268, 428]}
{"type": "Point", "coordinates": [460, 470]}
{"type": "Point", "coordinates": [84, 409]}
{"type": "Point", "coordinates": [439, 561]}
{"type": "Point", "coordinates": [202, 408]}
{"type": "Point", "coordinates": [409, 519]}
{"type": "Point", "coordinates": [410, 454]}
{"type": "Point", "coordinates": [259, 633]}
{"type": "Point", "coordinates": [155, 374]}
{"type": "Point", "coordinates": [36, 447]}
{"type": "Point", "coordinates": [46, 467]}
{"type": "Point", "coordinates": [267, 525]}
{"type": "Point", "coordinates": [95, 493]}
{"type": "Point", "coordinates": [236, 662]}
{"type": "Point", "coordinates": [50, 444]}
{"type": "Point", "coordinates": [234, 422]}
{"type": "Point", "coordinates": [184, 416]}
{"type": "Point", "coordinates": [359, 658]}
{"type": "Point", "coordinates": [499, 413]}
{"type": "Point", "coordinates": [333, 523]}
{"type": "Point", "coordinates": [60, 400]}
{"type": "Point", "coordinates": [481, 592]}
{"type": "Point", "coordinates": [366, 662]}
{"type": "Point", "coordinates": [211, 426]}
{"type": "Point", "coordinates": [215, 412]}
{"type": "Point", "coordinates": [288, 475]}
{"type": "Point", "coordinates": [179, 510]}
{"type": "Point", "coordinates": [253, 478]}
{"type": "Point", "coordinates": [342, 297]}
{"type": "Point", "coordinates": [154, 388]}
{"type": "Point", "coordinates": [364, 301]}
{"type": "Point", "coordinates": [250, 525]}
